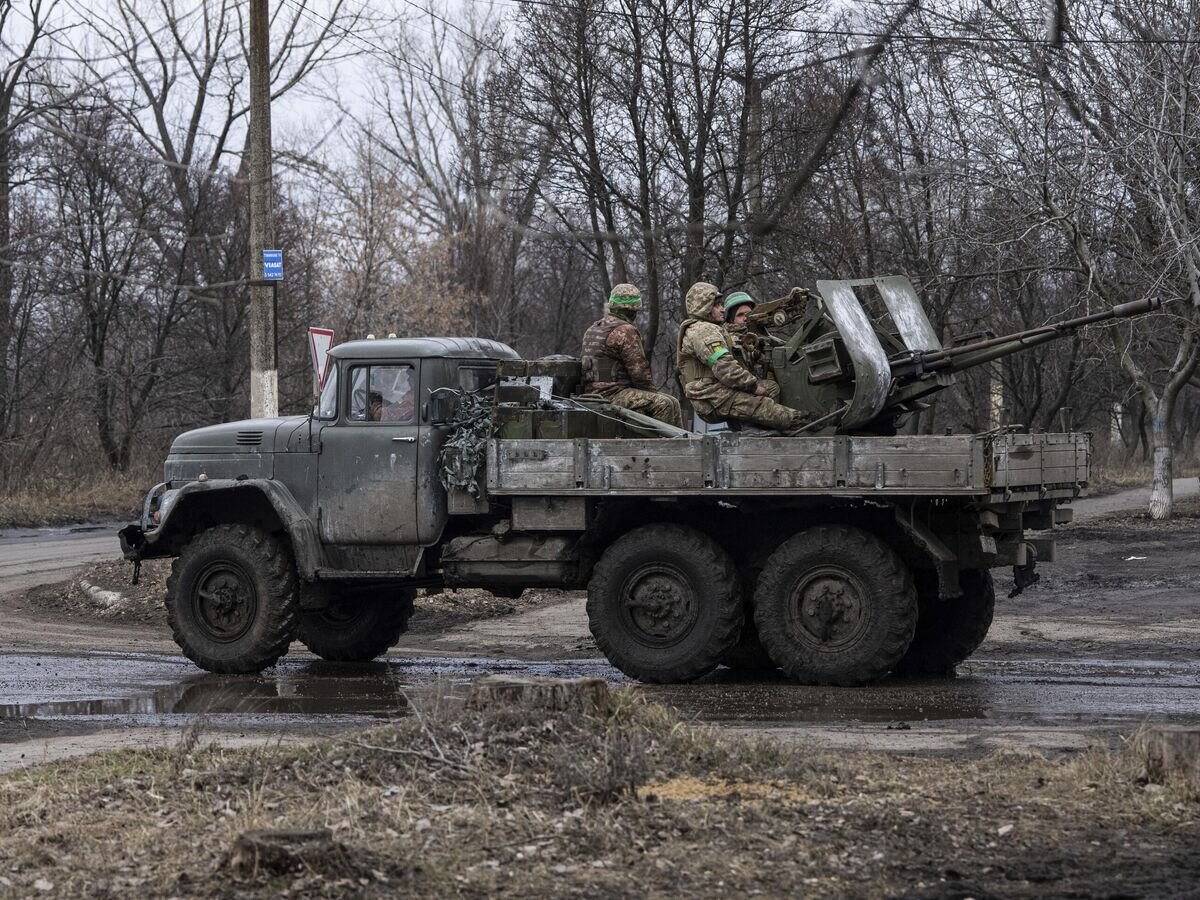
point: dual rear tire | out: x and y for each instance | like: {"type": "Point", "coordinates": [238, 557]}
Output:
{"type": "Point", "coordinates": [833, 605]}
{"type": "Point", "coordinates": [665, 603]}
{"type": "Point", "coordinates": [949, 631]}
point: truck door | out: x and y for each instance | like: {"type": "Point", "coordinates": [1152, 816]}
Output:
{"type": "Point", "coordinates": [368, 463]}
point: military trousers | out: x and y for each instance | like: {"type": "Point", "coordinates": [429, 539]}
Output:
{"type": "Point", "coordinates": [718, 401]}
{"type": "Point", "coordinates": [663, 407]}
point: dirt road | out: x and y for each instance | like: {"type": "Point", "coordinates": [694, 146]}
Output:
{"type": "Point", "coordinates": [1108, 640]}
{"type": "Point", "coordinates": [38, 556]}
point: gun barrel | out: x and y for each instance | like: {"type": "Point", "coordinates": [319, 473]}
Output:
{"type": "Point", "coordinates": [980, 352]}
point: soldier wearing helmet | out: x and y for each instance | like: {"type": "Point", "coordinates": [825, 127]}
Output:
{"type": "Point", "coordinates": [615, 364]}
{"type": "Point", "coordinates": [716, 384]}
{"type": "Point", "coordinates": [748, 343]}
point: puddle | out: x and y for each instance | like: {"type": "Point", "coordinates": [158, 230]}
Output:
{"type": "Point", "coordinates": [139, 688]}
{"type": "Point", "coordinates": [370, 690]}
{"type": "Point", "coordinates": [724, 699]}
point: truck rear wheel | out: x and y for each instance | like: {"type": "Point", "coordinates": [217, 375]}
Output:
{"type": "Point", "coordinates": [664, 603]}
{"type": "Point", "coordinates": [835, 605]}
{"type": "Point", "coordinates": [357, 627]}
{"type": "Point", "coordinates": [949, 631]}
{"type": "Point", "coordinates": [231, 599]}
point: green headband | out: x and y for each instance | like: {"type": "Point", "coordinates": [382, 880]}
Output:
{"type": "Point", "coordinates": [619, 300]}
{"type": "Point", "coordinates": [736, 299]}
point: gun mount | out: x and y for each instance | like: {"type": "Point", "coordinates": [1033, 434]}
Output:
{"type": "Point", "coordinates": [861, 372]}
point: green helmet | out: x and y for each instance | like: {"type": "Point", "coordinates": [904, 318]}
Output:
{"type": "Point", "coordinates": [736, 299]}
{"type": "Point", "coordinates": [625, 296]}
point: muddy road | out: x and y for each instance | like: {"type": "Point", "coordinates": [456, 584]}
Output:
{"type": "Point", "coordinates": [1109, 640]}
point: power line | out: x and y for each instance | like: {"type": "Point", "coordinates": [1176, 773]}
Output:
{"type": "Point", "coordinates": [458, 28]}
{"type": "Point", "coordinates": [868, 35]}
{"type": "Point", "coordinates": [370, 47]}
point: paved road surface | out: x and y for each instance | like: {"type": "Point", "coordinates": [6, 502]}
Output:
{"type": "Point", "coordinates": [44, 555]}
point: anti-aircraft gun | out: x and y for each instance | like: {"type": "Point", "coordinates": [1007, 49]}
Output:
{"type": "Point", "coordinates": [860, 370]}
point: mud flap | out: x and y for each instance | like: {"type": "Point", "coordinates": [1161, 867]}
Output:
{"type": "Point", "coordinates": [1025, 575]}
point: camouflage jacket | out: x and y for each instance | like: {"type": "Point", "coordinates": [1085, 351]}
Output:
{"type": "Point", "coordinates": [705, 360]}
{"type": "Point", "coordinates": [613, 358]}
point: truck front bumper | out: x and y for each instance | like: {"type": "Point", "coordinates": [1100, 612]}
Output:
{"type": "Point", "coordinates": [133, 542]}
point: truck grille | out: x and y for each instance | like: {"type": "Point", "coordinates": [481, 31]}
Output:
{"type": "Point", "coordinates": [249, 438]}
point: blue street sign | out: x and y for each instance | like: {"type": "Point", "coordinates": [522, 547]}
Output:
{"type": "Point", "coordinates": [272, 265]}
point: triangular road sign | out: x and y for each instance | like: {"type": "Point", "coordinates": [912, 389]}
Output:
{"type": "Point", "coordinates": [319, 341]}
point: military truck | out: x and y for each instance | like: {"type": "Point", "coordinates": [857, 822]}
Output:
{"type": "Point", "coordinates": [436, 463]}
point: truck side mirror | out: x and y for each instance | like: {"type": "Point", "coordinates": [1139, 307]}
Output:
{"type": "Point", "coordinates": [441, 407]}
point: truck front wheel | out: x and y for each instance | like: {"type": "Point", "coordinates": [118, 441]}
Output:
{"type": "Point", "coordinates": [835, 605]}
{"type": "Point", "coordinates": [948, 631]}
{"type": "Point", "coordinates": [357, 628]}
{"type": "Point", "coordinates": [231, 599]}
{"type": "Point", "coordinates": [664, 603]}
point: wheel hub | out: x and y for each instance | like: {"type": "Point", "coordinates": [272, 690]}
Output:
{"type": "Point", "coordinates": [660, 604]}
{"type": "Point", "coordinates": [830, 606]}
{"type": "Point", "coordinates": [225, 601]}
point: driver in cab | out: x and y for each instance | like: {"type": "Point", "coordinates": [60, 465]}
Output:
{"type": "Point", "coordinates": [398, 409]}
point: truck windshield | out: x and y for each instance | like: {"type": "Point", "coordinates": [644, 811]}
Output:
{"type": "Point", "coordinates": [327, 405]}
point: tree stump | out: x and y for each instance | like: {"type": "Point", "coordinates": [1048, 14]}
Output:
{"type": "Point", "coordinates": [1172, 752]}
{"type": "Point", "coordinates": [280, 852]}
{"type": "Point", "coordinates": [590, 696]}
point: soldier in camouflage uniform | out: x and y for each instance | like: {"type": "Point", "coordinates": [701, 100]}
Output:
{"type": "Point", "coordinates": [717, 385]}
{"type": "Point", "coordinates": [615, 364]}
{"type": "Point", "coordinates": [747, 342]}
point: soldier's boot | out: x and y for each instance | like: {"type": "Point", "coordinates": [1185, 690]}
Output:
{"type": "Point", "coordinates": [801, 423]}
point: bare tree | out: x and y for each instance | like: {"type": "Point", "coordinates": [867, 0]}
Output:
{"type": "Point", "coordinates": [25, 29]}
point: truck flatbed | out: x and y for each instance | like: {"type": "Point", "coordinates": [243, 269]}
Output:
{"type": "Point", "coordinates": [997, 468]}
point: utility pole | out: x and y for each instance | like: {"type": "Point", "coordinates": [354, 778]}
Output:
{"type": "Point", "coordinates": [755, 86]}
{"type": "Point", "coordinates": [264, 366]}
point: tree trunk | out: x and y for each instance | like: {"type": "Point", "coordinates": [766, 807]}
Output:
{"type": "Point", "coordinates": [1161, 487]}
{"type": "Point", "coordinates": [6, 272]}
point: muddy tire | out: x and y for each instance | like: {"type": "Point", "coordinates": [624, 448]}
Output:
{"type": "Point", "coordinates": [748, 655]}
{"type": "Point", "coordinates": [232, 601]}
{"type": "Point", "coordinates": [664, 603]}
{"type": "Point", "coordinates": [357, 627]}
{"type": "Point", "coordinates": [835, 605]}
{"type": "Point", "coordinates": [949, 631]}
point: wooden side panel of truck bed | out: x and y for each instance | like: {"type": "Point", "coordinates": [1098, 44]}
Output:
{"type": "Point", "coordinates": [920, 465]}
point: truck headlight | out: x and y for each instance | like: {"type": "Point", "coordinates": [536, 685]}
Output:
{"type": "Point", "coordinates": [153, 510]}
{"type": "Point", "coordinates": [165, 502]}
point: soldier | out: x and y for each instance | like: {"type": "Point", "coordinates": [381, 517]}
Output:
{"type": "Point", "coordinates": [746, 341]}
{"type": "Point", "coordinates": [615, 364]}
{"type": "Point", "coordinates": [716, 384]}
{"type": "Point", "coordinates": [737, 308]}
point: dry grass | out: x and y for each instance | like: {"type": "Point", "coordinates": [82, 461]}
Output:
{"type": "Point", "coordinates": [507, 802]}
{"type": "Point", "coordinates": [36, 503]}
{"type": "Point", "coordinates": [1109, 475]}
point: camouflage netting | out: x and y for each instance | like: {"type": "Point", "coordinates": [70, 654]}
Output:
{"type": "Point", "coordinates": [465, 451]}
